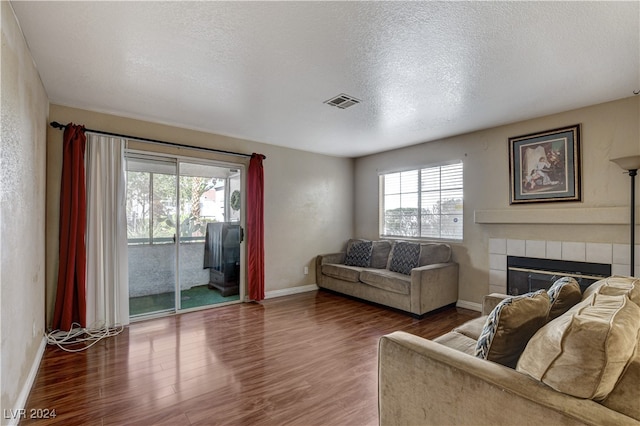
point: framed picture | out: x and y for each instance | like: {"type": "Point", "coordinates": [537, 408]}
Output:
{"type": "Point", "coordinates": [545, 166]}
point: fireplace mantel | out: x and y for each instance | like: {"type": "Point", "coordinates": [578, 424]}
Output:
{"type": "Point", "coordinates": [565, 216]}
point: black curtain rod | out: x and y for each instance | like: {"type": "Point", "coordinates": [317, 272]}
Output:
{"type": "Point", "coordinates": [57, 125]}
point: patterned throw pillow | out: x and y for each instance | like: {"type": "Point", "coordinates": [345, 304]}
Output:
{"type": "Point", "coordinates": [509, 327]}
{"type": "Point", "coordinates": [404, 257]}
{"type": "Point", "coordinates": [563, 294]}
{"type": "Point", "coordinates": [359, 254]}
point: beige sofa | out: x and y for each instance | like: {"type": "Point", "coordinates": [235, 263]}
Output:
{"type": "Point", "coordinates": [580, 368]}
{"type": "Point", "coordinates": [412, 277]}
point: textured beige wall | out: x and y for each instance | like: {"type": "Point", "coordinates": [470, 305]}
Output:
{"type": "Point", "coordinates": [22, 200]}
{"type": "Point", "coordinates": [308, 197]}
{"type": "Point", "coordinates": [608, 130]}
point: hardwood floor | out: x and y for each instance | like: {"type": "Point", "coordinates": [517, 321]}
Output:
{"type": "Point", "coordinates": [306, 359]}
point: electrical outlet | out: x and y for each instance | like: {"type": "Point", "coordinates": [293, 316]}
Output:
{"type": "Point", "coordinates": [306, 270]}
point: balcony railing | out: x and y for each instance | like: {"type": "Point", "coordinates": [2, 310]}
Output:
{"type": "Point", "coordinates": [152, 266]}
{"type": "Point", "coordinates": [163, 240]}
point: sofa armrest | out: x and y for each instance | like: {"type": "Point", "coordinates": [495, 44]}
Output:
{"type": "Point", "coordinates": [490, 301]}
{"type": "Point", "coordinates": [323, 259]}
{"type": "Point", "coordinates": [433, 286]}
{"type": "Point", "coordinates": [421, 382]}
{"type": "Point", "coordinates": [331, 258]}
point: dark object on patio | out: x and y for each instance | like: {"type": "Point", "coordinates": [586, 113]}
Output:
{"type": "Point", "coordinates": [222, 257]}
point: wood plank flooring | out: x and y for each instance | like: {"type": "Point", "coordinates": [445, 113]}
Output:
{"type": "Point", "coordinates": [307, 359]}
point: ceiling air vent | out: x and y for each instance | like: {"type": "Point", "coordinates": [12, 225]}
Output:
{"type": "Point", "coordinates": [342, 101]}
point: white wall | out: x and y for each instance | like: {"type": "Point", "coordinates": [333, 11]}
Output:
{"type": "Point", "coordinates": [308, 197]}
{"type": "Point", "coordinates": [608, 130]}
{"type": "Point", "coordinates": [22, 222]}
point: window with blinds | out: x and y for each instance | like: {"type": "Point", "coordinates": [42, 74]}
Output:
{"type": "Point", "coordinates": [423, 203]}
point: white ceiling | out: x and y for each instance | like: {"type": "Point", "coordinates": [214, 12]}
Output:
{"type": "Point", "coordinates": [262, 70]}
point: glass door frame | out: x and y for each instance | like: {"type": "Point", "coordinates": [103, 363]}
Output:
{"type": "Point", "coordinates": [241, 284]}
{"type": "Point", "coordinates": [150, 158]}
{"type": "Point", "coordinates": [160, 156]}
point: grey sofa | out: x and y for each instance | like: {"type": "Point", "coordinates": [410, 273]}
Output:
{"type": "Point", "coordinates": [413, 277]}
{"type": "Point", "coordinates": [581, 368]}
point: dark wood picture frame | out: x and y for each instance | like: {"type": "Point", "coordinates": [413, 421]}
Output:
{"type": "Point", "coordinates": [545, 166]}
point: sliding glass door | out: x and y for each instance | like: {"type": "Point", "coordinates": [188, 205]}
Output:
{"type": "Point", "coordinates": [184, 234]}
{"type": "Point", "coordinates": [152, 211]}
{"type": "Point", "coordinates": [209, 257]}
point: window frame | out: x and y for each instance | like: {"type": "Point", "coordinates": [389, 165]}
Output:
{"type": "Point", "coordinates": [419, 169]}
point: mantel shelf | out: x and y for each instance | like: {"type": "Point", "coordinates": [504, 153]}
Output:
{"type": "Point", "coordinates": [556, 216]}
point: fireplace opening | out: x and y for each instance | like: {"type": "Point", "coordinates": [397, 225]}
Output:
{"type": "Point", "coordinates": [527, 274]}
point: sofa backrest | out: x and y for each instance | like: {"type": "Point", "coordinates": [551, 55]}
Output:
{"type": "Point", "coordinates": [601, 333]}
{"type": "Point", "coordinates": [616, 285]}
{"type": "Point", "coordinates": [584, 352]}
{"type": "Point", "coordinates": [379, 253]}
{"type": "Point", "coordinates": [432, 253]}
{"type": "Point", "coordinates": [624, 397]}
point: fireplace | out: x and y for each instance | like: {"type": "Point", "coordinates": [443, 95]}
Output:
{"type": "Point", "coordinates": [527, 274]}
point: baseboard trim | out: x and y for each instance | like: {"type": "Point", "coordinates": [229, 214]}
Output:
{"type": "Point", "coordinates": [28, 384]}
{"type": "Point", "coordinates": [469, 305]}
{"type": "Point", "coordinates": [289, 291]}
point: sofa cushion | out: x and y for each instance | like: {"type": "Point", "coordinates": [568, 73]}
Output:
{"type": "Point", "coordinates": [457, 341]}
{"type": "Point", "coordinates": [359, 254]}
{"type": "Point", "coordinates": [386, 280]}
{"type": "Point", "coordinates": [616, 285]}
{"type": "Point", "coordinates": [472, 328]}
{"type": "Point", "coordinates": [432, 253]}
{"type": "Point", "coordinates": [509, 327]}
{"type": "Point", "coordinates": [624, 397]}
{"type": "Point", "coordinates": [342, 272]}
{"type": "Point", "coordinates": [380, 254]}
{"type": "Point", "coordinates": [404, 257]}
{"type": "Point", "coordinates": [583, 352]}
{"type": "Point", "coordinates": [563, 295]}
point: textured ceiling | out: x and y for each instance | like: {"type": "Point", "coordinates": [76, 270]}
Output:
{"type": "Point", "coordinates": [262, 70]}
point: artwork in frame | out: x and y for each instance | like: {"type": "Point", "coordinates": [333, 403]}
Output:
{"type": "Point", "coordinates": [545, 166]}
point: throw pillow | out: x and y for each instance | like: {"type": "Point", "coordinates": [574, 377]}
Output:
{"type": "Point", "coordinates": [563, 294]}
{"type": "Point", "coordinates": [509, 327]}
{"type": "Point", "coordinates": [404, 257]}
{"type": "Point", "coordinates": [359, 254]}
{"type": "Point", "coordinates": [583, 352]}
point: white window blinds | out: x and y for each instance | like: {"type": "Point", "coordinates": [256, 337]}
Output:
{"type": "Point", "coordinates": [423, 203]}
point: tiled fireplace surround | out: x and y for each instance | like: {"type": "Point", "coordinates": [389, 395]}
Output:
{"type": "Point", "coordinates": [499, 248]}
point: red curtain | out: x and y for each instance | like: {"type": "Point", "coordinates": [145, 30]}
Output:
{"type": "Point", "coordinates": [70, 297]}
{"type": "Point", "coordinates": [255, 227]}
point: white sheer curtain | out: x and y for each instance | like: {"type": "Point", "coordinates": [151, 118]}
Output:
{"type": "Point", "coordinates": [107, 264]}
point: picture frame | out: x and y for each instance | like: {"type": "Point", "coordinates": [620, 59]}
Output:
{"type": "Point", "coordinates": [545, 166]}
